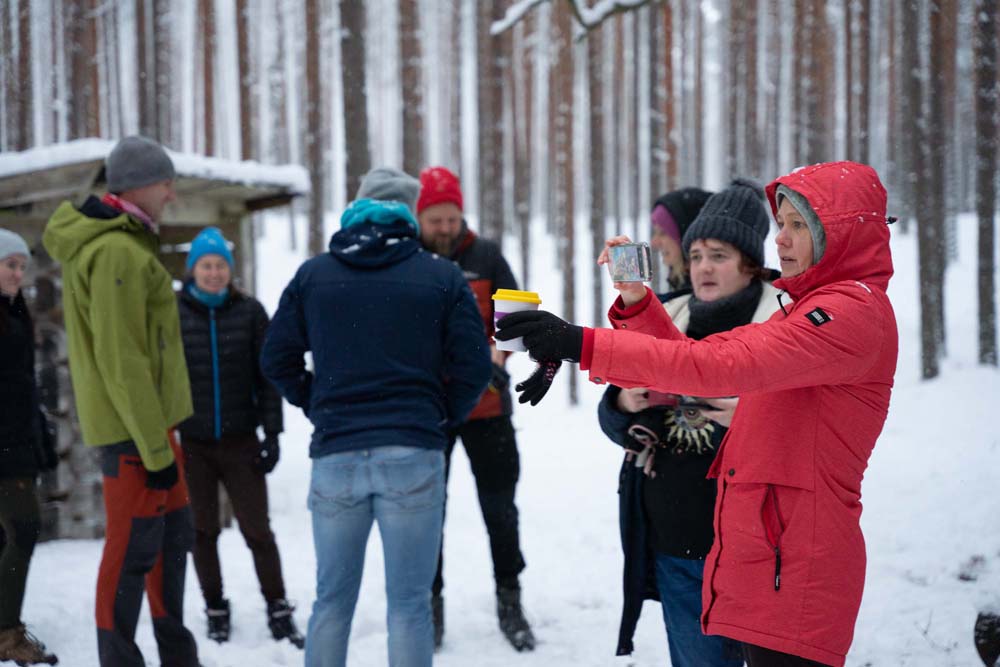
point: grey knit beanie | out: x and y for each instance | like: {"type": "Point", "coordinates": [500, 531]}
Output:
{"type": "Point", "coordinates": [805, 209]}
{"type": "Point", "coordinates": [136, 162]}
{"type": "Point", "coordinates": [12, 244]}
{"type": "Point", "coordinates": [388, 184]}
{"type": "Point", "coordinates": [736, 215]}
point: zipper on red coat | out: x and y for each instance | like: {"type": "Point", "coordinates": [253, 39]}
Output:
{"type": "Point", "coordinates": [776, 542]}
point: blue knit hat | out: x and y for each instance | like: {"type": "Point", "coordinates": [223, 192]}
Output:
{"type": "Point", "coordinates": [209, 242]}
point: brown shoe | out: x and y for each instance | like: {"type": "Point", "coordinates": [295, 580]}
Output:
{"type": "Point", "coordinates": [22, 647]}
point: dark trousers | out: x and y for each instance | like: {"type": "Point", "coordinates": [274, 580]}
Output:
{"type": "Point", "coordinates": [758, 656]}
{"type": "Point", "coordinates": [146, 541]}
{"type": "Point", "coordinates": [230, 461]}
{"type": "Point", "coordinates": [19, 518]}
{"type": "Point", "coordinates": [492, 452]}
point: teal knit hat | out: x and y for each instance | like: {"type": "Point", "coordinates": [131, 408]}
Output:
{"type": "Point", "coordinates": [379, 212]}
{"type": "Point", "coordinates": [209, 242]}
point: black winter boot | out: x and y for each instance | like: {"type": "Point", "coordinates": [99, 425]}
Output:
{"type": "Point", "coordinates": [987, 634]}
{"type": "Point", "coordinates": [437, 614]}
{"type": "Point", "coordinates": [218, 620]}
{"type": "Point", "coordinates": [279, 619]}
{"type": "Point", "coordinates": [513, 624]}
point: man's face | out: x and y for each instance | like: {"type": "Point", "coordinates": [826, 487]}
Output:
{"type": "Point", "coordinates": [440, 226]}
{"type": "Point", "coordinates": [152, 198]}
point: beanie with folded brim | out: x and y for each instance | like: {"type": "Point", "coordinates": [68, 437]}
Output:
{"type": "Point", "coordinates": [12, 244]}
{"type": "Point", "coordinates": [378, 212]}
{"type": "Point", "coordinates": [209, 242]}
{"type": "Point", "coordinates": [805, 209]}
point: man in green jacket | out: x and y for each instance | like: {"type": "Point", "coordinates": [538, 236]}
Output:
{"type": "Point", "coordinates": [131, 386]}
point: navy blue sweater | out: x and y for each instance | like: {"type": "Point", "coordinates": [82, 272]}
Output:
{"type": "Point", "coordinates": [398, 347]}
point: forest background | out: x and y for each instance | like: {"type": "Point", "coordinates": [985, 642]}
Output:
{"type": "Point", "coordinates": [571, 114]}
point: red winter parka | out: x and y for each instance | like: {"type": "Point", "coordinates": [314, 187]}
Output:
{"type": "Point", "coordinates": [787, 568]}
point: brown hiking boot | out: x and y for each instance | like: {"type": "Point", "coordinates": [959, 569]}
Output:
{"type": "Point", "coordinates": [22, 647]}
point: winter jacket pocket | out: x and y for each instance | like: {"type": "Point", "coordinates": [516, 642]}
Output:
{"type": "Point", "coordinates": [774, 527]}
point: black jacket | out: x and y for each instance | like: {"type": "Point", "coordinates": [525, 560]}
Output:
{"type": "Point", "coordinates": [21, 421]}
{"type": "Point", "coordinates": [229, 392]}
{"type": "Point", "coordinates": [484, 266]}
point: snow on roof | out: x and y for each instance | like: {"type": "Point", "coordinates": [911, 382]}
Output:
{"type": "Point", "coordinates": [293, 177]}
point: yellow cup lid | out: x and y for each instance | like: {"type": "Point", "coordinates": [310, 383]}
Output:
{"type": "Point", "coordinates": [516, 296]}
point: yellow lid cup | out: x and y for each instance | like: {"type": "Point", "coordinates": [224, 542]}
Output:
{"type": "Point", "coordinates": [507, 301]}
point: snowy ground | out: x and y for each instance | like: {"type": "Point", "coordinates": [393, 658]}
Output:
{"type": "Point", "coordinates": [931, 502]}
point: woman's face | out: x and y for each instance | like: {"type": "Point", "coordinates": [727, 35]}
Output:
{"type": "Point", "coordinates": [12, 270]}
{"type": "Point", "coordinates": [715, 269]}
{"type": "Point", "coordinates": [670, 250]}
{"type": "Point", "coordinates": [795, 243]}
{"type": "Point", "coordinates": [211, 273]}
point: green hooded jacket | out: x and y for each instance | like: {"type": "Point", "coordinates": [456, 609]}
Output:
{"type": "Point", "coordinates": [125, 350]}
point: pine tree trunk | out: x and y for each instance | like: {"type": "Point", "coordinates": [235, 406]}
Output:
{"type": "Point", "coordinates": [352, 49]}
{"type": "Point", "coordinates": [453, 72]}
{"type": "Point", "coordinates": [751, 163]}
{"type": "Point", "coordinates": [314, 124]}
{"type": "Point", "coordinates": [595, 162]}
{"type": "Point", "coordinates": [850, 61]}
{"type": "Point", "coordinates": [863, 86]}
{"type": "Point", "coordinates": [412, 84]}
{"type": "Point", "coordinates": [206, 13]}
{"type": "Point", "coordinates": [800, 67]}
{"type": "Point", "coordinates": [163, 59]}
{"type": "Point", "coordinates": [930, 216]}
{"type": "Point", "coordinates": [820, 85]}
{"type": "Point", "coordinates": [773, 90]}
{"type": "Point", "coordinates": [25, 119]}
{"type": "Point", "coordinates": [520, 82]}
{"type": "Point", "coordinates": [985, 68]}
{"type": "Point", "coordinates": [562, 137]}
{"type": "Point", "coordinates": [909, 108]}
{"type": "Point", "coordinates": [84, 110]}
{"type": "Point", "coordinates": [246, 82]}
{"type": "Point", "coordinates": [145, 69]}
{"type": "Point", "coordinates": [489, 82]}
{"type": "Point", "coordinates": [735, 89]}
{"type": "Point", "coordinates": [699, 93]}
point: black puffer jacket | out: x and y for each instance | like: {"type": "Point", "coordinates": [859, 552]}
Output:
{"type": "Point", "coordinates": [242, 398]}
{"type": "Point", "coordinates": [20, 418]}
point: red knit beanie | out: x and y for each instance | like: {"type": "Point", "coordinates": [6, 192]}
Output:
{"type": "Point", "coordinates": [438, 186]}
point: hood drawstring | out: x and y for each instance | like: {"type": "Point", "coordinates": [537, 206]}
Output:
{"type": "Point", "coordinates": [781, 305]}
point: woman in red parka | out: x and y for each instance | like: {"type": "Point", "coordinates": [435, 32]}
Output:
{"type": "Point", "coordinates": [786, 572]}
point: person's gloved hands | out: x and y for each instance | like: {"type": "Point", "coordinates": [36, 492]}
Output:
{"type": "Point", "coordinates": [268, 455]}
{"type": "Point", "coordinates": [647, 428]}
{"type": "Point", "coordinates": [533, 389]}
{"type": "Point", "coordinates": [547, 337]}
{"type": "Point", "coordinates": [162, 480]}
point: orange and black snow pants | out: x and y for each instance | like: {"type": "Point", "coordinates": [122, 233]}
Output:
{"type": "Point", "coordinates": [148, 534]}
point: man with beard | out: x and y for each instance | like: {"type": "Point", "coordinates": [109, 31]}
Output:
{"type": "Point", "coordinates": [488, 435]}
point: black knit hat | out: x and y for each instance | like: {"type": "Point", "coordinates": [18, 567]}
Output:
{"type": "Point", "coordinates": [735, 215]}
{"type": "Point", "coordinates": [684, 205]}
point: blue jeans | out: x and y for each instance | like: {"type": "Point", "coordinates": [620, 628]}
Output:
{"type": "Point", "coordinates": [679, 582]}
{"type": "Point", "coordinates": [402, 488]}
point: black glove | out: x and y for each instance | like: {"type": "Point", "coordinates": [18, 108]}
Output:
{"type": "Point", "coordinates": [535, 387]}
{"type": "Point", "coordinates": [268, 455]}
{"type": "Point", "coordinates": [547, 337]}
{"type": "Point", "coordinates": [162, 480]}
{"type": "Point", "coordinates": [48, 457]}
{"type": "Point", "coordinates": [499, 378]}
